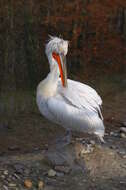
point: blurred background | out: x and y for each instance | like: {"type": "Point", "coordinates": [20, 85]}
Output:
{"type": "Point", "coordinates": [96, 30]}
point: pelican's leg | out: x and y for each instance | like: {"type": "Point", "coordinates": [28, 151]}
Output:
{"type": "Point", "coordinates": [102, 141]}
{"type": "Point", "coordinates": [100, 137]}
{"type": "Point", "coordinates": [68, 136]}
{"type": "Point", "coordinates": [65, 140]}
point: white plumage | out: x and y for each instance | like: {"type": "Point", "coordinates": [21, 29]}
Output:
{"type": "Point", "coordinates": [75, 106]}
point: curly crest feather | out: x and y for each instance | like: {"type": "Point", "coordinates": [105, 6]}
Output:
{"type": "Point", "coordinates": [57, 45]}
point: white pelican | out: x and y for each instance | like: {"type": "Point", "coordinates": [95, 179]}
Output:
{"type": "Point", "coordinates": [71, 104]}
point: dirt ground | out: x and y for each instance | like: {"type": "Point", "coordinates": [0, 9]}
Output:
{"type": "Point", "coordinates": [28, 151]}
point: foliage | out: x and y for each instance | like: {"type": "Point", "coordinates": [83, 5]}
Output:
{"type": "Point", "coordinates": [96, 30]}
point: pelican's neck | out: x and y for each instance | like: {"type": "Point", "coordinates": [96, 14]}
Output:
{"type": "Point", "coordinates": [54, 73]}
{"type": "Point", "coordinates": [53, 76]}
{"type": "Point", "coordinates": [48, 86]}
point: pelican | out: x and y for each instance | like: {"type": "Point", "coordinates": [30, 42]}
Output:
{"type": "Point", "coordinates": [71, 104]}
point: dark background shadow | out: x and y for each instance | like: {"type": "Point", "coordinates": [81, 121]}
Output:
{"type": "Point", "coordinates": [97, 34]}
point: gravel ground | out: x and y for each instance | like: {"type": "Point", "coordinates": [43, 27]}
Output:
{"type": "Point", "coordinates": [84, 164]}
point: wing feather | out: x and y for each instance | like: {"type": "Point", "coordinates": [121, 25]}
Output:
{"type": "Point", "coordinates": [74, 118]}
{"type": "Point", "coordinates": [81, 96]}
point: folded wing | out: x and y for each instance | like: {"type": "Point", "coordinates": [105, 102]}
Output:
{"type": "Point", "coordinates": [77, 108]}
{"type": "Point", "coordinates": [82, 96]}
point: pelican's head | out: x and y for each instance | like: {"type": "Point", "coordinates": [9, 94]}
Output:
{"type": "Point", "coordinates": [56, 51]}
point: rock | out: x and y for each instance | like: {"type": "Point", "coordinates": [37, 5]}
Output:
{"type": "Point", "coordinates": [26, 171]}
{"type": "Point", "coordinates": [3, 176]}
{"type": "Point", "coordinates": [113, 134]}
{"type": "Point", "coordinates": [79, 139]}
{"type": "Point", "coordinates": [13, 148]}
{"type": "Point", "coordinates": [5, 187]}
{"type": "Point", "coordinates": [59, 174]}
{"type": "Point", "coordinates": [12, 185]}
{"type": "Point", "coordinates": [36, 149]}
{"type": "Point", "coordinates": [61, 155]}
{"type": "Point", "coordinates": [19, 168]}
{"type": "Point", "coordinates": [9, 178]}
{"type": "Point", "coordinates": [16, 176]}
{"type": "Point", "coordinates": [122, 182]}
{"type": "Point", "coordinates": [122, 152]}
{"type": "Point", "coordinates": [5, 172]}
{"type": "Point", "coordinates": [113, 147]}
{"type": "Point", "coordinates": [64, 169]}
{"type": "Point", "coordinates": [123, 124]}
{"type": "Point", "coordinates": [54, 157]}
{"type": "Point", "coordinates": [123, 135]}
{"type": "Point", "coordinates": [124, 156]}
{"type": "Point", "coordinates": [92, 142]}
{"type": "Point", "coordinates": [28, 183]}
{"type": "Point", "coordinates": [51, 173]}
{"type": "Point", "coordinates": [123, 129]}
{"type": "Point", "coordinates": [40, 185]}
{"type": "Point", "coordinates": [46, 146]}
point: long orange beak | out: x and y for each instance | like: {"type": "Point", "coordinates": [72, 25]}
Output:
{"type": "Point", "coordinates": [61, 68]}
